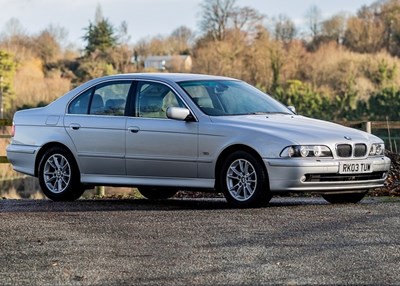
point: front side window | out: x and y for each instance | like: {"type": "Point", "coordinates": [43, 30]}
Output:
{"type": "Point", "coordinates": [153, 99]}
{"type": "Point", "coordinates": [230, 97]}
{"type": "Point", "coordinates": [104, 99]}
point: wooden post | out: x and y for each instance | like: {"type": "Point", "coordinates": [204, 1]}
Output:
{"type": "Point", "coordinates": [367, 127]}
{"type": "Point", "coordinates": [100, 191]}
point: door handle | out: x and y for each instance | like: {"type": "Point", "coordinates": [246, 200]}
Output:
{"type": "Point", "coordinates": [75, 126]}
{"type": "Point", "coordinates": [133, 129]}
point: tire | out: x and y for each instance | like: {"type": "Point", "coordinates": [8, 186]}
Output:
{"type": "Point", "coordinates": [59, 176]}
{"type": "Point", "coordinates": [344, 198]}
{"type": "Point", "coordinates": [244, 181]}
{"type": "Point", "coordinates": [153, 193]}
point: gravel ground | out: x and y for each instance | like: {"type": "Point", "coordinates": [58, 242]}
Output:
{"type": "Point", "coordinates": [293, 241]}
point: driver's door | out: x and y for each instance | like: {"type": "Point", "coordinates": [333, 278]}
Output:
{"type": "Point", "coordinates": [157, 146]}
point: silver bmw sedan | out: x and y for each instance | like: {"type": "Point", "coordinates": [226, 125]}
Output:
{"type": "Point", "coordinates": [167, 132]}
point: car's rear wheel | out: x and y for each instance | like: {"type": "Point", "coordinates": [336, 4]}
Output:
{"type": "Point", "coordinates": [153, 193]}
{"type": "Point", "coordinates": [244, 181]}
{"type": "Point", "coordinates": [59, 175]}
{"type": "Point", "coordinates": [344, 198]}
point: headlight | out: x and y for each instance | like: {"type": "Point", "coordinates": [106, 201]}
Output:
{"type": "Point", "coordinates": [304, 151]}
{"type": "Point", "coordinates": [376, 149]}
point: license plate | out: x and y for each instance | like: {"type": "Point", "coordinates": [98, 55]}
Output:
{"type": "Point", "coordinates": [355, 167]}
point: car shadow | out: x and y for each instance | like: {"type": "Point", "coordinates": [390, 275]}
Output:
{"type": "Point", "coordinates": [176, 204]}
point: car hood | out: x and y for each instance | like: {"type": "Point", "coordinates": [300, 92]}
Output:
{"type": "Point", "coordinates": [296, 128]}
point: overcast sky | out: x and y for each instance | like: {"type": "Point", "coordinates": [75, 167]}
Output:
{"type": "Point", "coordinates": [147, 18]}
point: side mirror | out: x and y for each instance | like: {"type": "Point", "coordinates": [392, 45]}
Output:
{"type": "Point", "coordinates": [179, 113]}
{"type": "Point", "coordinates": [292, 109]}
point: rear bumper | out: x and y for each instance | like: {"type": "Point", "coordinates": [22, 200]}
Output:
{"type": "Point", "coordinates": [322, 175]}
{"type": "Point", "coordinates": [22, 158]}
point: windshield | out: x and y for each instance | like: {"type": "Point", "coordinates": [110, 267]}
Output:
{"type": "Point", "coordinates": [231, 97]}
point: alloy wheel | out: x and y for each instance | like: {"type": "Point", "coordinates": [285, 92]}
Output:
{"type": "Point", "coordinates": [241, 179]}
{"type": "Point", "coordinates": [57, 173]}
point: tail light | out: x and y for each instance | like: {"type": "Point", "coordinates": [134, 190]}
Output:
{"type": "Point", "coordinates": [13, 130]}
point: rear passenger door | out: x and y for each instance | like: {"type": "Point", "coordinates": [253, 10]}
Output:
{"type": "Point", "coordinates": [96, 123]}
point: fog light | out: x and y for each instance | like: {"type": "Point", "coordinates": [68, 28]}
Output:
{"type": "Point", "coordinates": [303, 179]}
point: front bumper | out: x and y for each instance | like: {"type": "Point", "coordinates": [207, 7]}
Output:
{"type": "Point", "coordinates": [301, 175]}
{"type": "Point", "coordinates": [22, 158]}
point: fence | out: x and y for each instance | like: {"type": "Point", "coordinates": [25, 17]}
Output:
{"type": "Point", "coordinates": [4, 123]}
{"type": "Point", "coordinates": [389, 131]}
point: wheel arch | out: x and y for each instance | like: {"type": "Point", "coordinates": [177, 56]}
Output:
{"type": "Point", "coordinates": [233, 148]}
{"type": "Point", "coordinates": [48, 146]}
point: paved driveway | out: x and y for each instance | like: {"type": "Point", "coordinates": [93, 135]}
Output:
{"type": "Point", "coordinates": [294, 241]}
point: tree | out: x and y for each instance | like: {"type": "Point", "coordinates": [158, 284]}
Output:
{"type": "Point", "coordinates": [277, 59]}
{"type": "Point", "coordinates": [93, 66]}
{"type": "Point", "coordinates": [314, 19]}
{"type": "Point", "coordinates": [257, 61]}
{"type": "Point", "coordinates": [100, 36]}
{"type": "Point", "coordinates": [98, 15]}
{"type": "Point", "coordinates": [334, 28]}
{"type": "Point", "coordinates": [221, 17]}
{"type": "Point", "coordinates": [216, 16]}
{"type": "Point", "coordinates": [15, 39]}
{"type": "Point", "coordinates": [307, 101]}
{"type": "Point", "coordinates": [246, 20]}
{"type": "Point", "coordinates": [123, 35]}
{"type": "Point", "coordinates": [221, 57]}
{"type": "Point", "coordinates": [13, 27]}
{"type": "Point", "coordinates": [7, 73]}
{"type": "Point", "coordinates": [389, 14]}
{"type": "Point", "coordinates": [182, 40]}
{"type": "Point", "coordinates": [385, 104]}
{"type": "Point", "coordinates": [47, 47]}
{"type": "Point", "coordinates": [283, 29]}
{"type": "Point", "coordinates": [365, 32]}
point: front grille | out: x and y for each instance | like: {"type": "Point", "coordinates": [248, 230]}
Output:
{"type": "Point", "coordinates": [344, 178]}
{"type": "Point", "coordinates": [347, 150]}
{"type": "Point", "coordinates": [360, 150]}
{"type": "Point", "coordinates": [344, 150]}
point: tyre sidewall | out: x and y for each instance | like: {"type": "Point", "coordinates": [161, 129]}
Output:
{"type": "Point", "coordinates": [261, 195]}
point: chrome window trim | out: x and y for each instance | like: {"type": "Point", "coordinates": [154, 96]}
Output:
{"type": "Point", "coordinates": [90, 87]}
{"type": "Point", "coordinates": [174, 91]}
{"type": "Point", "coordinates": [132, 81]}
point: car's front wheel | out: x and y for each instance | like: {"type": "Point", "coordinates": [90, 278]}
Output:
{"type": "Point", "coordinates": [59, 175]}
{"type": "Point", "coordinates": [153, 193]}
{"type": "Point", "coordinates": [344, 198]}
{"type": "Point", "coordinates": [244, 181]}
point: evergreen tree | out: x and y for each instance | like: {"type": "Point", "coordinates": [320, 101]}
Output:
{"type": "Point", "coordinates": [100, 36]}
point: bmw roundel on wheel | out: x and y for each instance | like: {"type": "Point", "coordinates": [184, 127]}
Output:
{"type": "Point", "coordinates": [167, 132]}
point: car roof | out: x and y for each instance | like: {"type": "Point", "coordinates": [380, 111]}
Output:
{"type": "Point", "coordinates": [169, 78]}
{"type": "Point", "coordinates": [173, 77]}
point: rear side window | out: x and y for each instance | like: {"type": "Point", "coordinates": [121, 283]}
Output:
{"type": "Point", "coordinates": [104, 99]}
{"type": "Point", "coordinates": [80, 105]}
